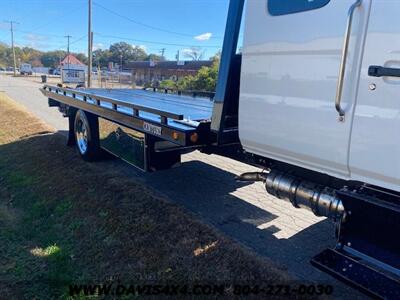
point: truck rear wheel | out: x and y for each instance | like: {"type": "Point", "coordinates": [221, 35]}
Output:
{"type": "Point", "coordinates": [86, 130]}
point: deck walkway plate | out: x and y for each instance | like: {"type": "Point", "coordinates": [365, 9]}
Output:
{"type": "Point", "coordinates": [192, 108]}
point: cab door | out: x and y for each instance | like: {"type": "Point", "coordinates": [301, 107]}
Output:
{"type": "Point", "coordinates": [375, 141]}
{"type": "Point", "coordinates": [292, 54]}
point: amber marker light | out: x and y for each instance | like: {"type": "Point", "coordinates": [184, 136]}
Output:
{"type": "Point", "coordinates": [194, 137]}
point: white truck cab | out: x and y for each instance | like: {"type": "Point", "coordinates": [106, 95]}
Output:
{"type": "Point", "coordinates": [292, 57]}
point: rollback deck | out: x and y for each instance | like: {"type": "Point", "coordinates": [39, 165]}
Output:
{"type": "Point", "coordinates": [182, 120]}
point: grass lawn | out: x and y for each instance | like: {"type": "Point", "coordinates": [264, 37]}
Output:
{"type": "Point", "coordinates": [65, 221]}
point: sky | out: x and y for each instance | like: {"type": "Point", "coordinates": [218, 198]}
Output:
{"type": "Point", "coordinates": [172, 25]}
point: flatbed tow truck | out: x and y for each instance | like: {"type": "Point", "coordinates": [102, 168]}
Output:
{"type": "Point", "coordinates": [310, 104]}
{"type": "Point", "coordinates": [169, 123]}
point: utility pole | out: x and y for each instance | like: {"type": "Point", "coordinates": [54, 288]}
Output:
{"type": "Point", "coordinates": [120, 67]}
{"type": "Point", "coordinates": [162, 52]}
{"type": "Point", "coordinates": [12, 44]}
{"type": "Point", "coordinates": [90, 43]}
{"type": "Point", "coordinates": [68, 37]}
{"type": "Point", "coordinates": [177, 55]}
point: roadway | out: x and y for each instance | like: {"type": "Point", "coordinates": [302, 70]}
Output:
{"type": "Point", "coordinates": [205, 186]}
{"type": "Point", "coordinates": [26, 92]}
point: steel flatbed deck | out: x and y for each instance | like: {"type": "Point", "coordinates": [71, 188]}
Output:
{"type": "Point", "coordinates": [175, 118]}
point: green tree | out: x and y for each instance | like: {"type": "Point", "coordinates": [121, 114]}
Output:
{"type": "Point", "coordinates": [22, 55]}
{"type": "Point", "coordinates": [120, 49]}
{"type": "Point", "coordinates": [126, 52]}
{"type": "Point", "coordinates": [204, 80]}
{"type": "Point", "coordinates": [82, 57]}
{"type": "Point", "coordinates": [155, 57]}
{"type": "Point", "coordinates": [101, 57]}
{"type": "Point", "coordinates": [194, 53]}
{"type": "Point", "coordinates": [52, 59]}
{"type": "Point", "coordinates": [3, 55]}
{"type": "Point", "coordinates": [169, 84]}
{"type": "Point", "coordinates": [138, 54]}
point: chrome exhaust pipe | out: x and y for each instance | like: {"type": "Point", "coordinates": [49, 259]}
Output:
{"type": "Point", "coordinates": [252, 177]}
{"type": "Point", "coordinates": [321, 200]}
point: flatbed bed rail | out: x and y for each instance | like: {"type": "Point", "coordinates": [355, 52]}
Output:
{"type": "Point", "coordinates": [167, 125]}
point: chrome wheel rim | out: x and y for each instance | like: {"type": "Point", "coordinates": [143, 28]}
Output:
{"type": "Point", "coordinates": [82, 137]}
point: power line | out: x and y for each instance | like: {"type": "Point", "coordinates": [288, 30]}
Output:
{"type": "Point", "coordinates": [35, 33]}
{"type": "Point", "coordinates": [147, 25]}
{"type": "Point", "coordinates": [154, 42]}
{"type": "Point", "coordinates": [40, 34]}
{"type": "Point", "coordinates": [57, 20]}
{"type": "Point", "coordinates": [79, 39]}
{"type": "Point", "coordinates": [75, 41]}
{"type": "Point", "coordinates": [56, 45]}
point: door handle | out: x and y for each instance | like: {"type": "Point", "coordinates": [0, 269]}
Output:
{"type": "Point", "coordinates": [342, 69]}
{"type": "Point", "coordinates": [379, 71]}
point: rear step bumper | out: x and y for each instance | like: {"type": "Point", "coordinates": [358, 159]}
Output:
{"type": "Point", "coordinates": [360, 276]}
{"type": "Point", "coordinates": [367, 254]}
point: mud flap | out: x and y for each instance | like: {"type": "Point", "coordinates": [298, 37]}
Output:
{"type": "Point", "coordinates": [157, 155]}
{"type": "Point", "coordinates": [71, 135]}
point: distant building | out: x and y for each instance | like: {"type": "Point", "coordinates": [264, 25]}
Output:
{"type": "Point", "coordinates": [71, 62]}
{"type": "Point", "coordinates": [73, 70]}
{"type": "Point", "coordinates": [150, 71]}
